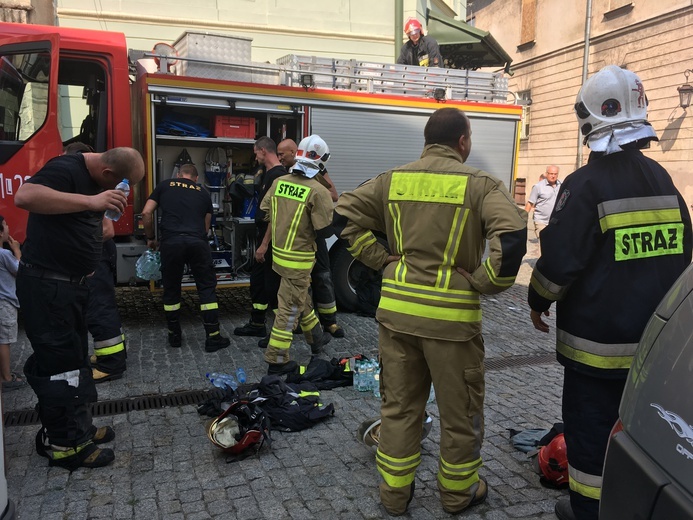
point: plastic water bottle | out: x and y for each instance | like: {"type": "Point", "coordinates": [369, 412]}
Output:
{"type": "Point", "coordinates": [123, 186]}
{"type": "Point", "coordinates": [368, 377]}
{"type": "Point", "coordinates": [222, 381]}
{"type": "Point", "coordinates": [240, 375]}
{"type": "Point", "coordinates": [376, 381]}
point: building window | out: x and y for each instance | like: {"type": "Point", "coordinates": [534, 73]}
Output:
{"type": "Point", "coordinates": [525, 99]}
{"type": "Point", "coordinates": [528, 21]}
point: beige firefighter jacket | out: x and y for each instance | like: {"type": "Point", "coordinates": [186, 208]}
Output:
{"type": "Point", "coordinates": [296, 207]}
{"type": "Point", "coordinates": [437, 214]}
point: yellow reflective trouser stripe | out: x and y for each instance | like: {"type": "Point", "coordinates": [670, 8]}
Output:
{"type": "Point", "coordinates": [63, 454]}
{"type": "Point", "coordinates": [260, 306]}
{"type": "Point", "coordinates": [309, 321]}
{"type": "Point", "coordinates": [458, 477]}
{"type": "Point", "coordinates": [361, 242]}
{"type": "Point", "coordinates": [587, 485]}
{"type": "Point", "coordinates": [173, 307]}
{"type": "Point", "coordinates": [302, 369]}
{"type": "Point", "coordinates": [451, 248]}
{"type": "Point", "coordinates": [498, 281]}
{"type": "Point", "coordinates": [280, 339]}
{"type": "Point", "coordinates": [120, 338]}
{"type": "Point", "coordinates": [591, 353]}
{"type": "Point", "coordinates": [638, 218]}
{"type": "Point", "coordinates": [327, 310]}
{"type": "Point", "coordinates": [405, 469]}
{"type": "Point", "coordinates": [106, 351]}
{"type": "Point", "coordinates": [303, 393]}
{"type": "Point", "coordinates": [546, 288]}
{"type": "Point", "coordinates": [430, 311]}
{"type": "Point", "coordinates": [209, 306]}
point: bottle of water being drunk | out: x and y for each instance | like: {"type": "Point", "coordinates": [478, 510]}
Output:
{"type": "Point", "coordinates": [123, 186]}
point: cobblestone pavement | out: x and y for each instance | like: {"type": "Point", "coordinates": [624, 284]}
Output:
{"type": "Point", "coordinates": [166, 468]}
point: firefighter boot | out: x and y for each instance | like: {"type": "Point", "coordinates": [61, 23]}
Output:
{"type": "Point", "coordinates": [479, 496]}
{"type": "Point", "coordinates": [251, 329]}
{"type": "Point", "coordinates": [317, 339]}
{"type": "Point", "coordinates": [215, 341]}
{"type": "Point", "coordinates": [174, 334]}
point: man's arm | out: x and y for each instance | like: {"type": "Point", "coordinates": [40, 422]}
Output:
{"type": "Point", "coordinates": [264, 245]}
{"type": "Point", "coordinates": [333, 190]}
{"type": "Point", "coordinates": [108, 229]}
{"type": "Point", "coordinates": [208, 222]}
{"type": "Point", "coordinates": [529, 207]}
{"type": "Point", "coordinates": [37, 198]}
{"type": "Point", "coordinates": [148, 222]}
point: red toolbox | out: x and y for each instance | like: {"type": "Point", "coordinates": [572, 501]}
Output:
{"type": "Point", "coordinates": [239, 127]}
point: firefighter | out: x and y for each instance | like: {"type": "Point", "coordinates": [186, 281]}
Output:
{"type": "Point", "coordinates": [264, 282]}
{"type": "Point", "coordinates": [429, 314]}
{"type": "Point", "coordinates": [299, 210]}
{"type": "Point", "coordinates": [619, 236]}
{"type": "Point", "coordinates": [419, 49]}
{"type": "Point", "coordinates": [103, 320]}
{"type": "Point", "coordinates": [322, 286]}
{"type": "Point", "coordinates": [186, 217]}
{"type": "Point", "coordinates": [66, 200]}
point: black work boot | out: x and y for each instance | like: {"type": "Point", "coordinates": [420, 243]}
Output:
{"type": "Point", "coordinates": [563, 509]}
{"type": "Point", "coordinates": [86, 456]}
{"type": "Point", "coordinates": [264, 342]}
{"type": "Point", "coordinates": [175, 338]}
{"type": "Point", "coordinates": [320, 339]}
{"type": "Point", "coordinates": [215, 341]}
{"type": "Point", "coordinates": [103, 434]}
{"type": "Point", "coordinates": [278, 369]}
{"type": "Point", "coordinates": [251, 329]}
{"type": "Point", "coordinates": [335, 330]}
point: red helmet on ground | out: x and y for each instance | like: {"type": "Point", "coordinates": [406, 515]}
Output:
{"type": "Point", "coordinates": [553, 461]}
{"type": "Point", "coordinates": [412, 24]}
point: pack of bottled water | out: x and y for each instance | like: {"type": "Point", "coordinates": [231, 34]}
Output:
{"type": "Point", "coordinates": [367, 376]}
{"type": "Point", "coordinates": [148, 266]}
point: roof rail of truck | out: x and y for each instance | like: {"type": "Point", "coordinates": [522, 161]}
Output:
{"type": "Point", "coordinates": [311, 72]}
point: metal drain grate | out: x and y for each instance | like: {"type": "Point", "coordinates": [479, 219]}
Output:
{"type": "Point", "coordinates": [119, 406]}
{"type": "Point", "coordinates": [499, 363]}
{"type": "Point", "coordinates": [195, 397]}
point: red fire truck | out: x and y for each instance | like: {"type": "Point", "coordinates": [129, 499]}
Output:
{"type": "Point", "coordinates": [60, 85]}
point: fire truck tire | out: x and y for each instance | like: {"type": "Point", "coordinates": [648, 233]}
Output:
{"type": "Point", "coordinates": [346, 271]}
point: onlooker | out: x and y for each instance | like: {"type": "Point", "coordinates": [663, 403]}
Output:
{"type": "Point", "coordinates": [298, 209]}
{"type": "Point", "coordinates": [430, 311]}
{"type": "Point", "coordinates": [321, 277]}
{"type": "Point", "coordinates": [542, 198]}
{"type": "Point", "coordinates": [103, 319]}
{"type": "Point", "coordinates": [9, 263]}
{"type": "Point", "coordinates": [264, 282]}
{"type": "Point", "coordinates": [186, 215]}
{"type": "Point", "coordinates": [66, 200]}
{"type": "Point", "coordinates": [619, 237]}
{"type": "Point", "coordinates": [419, 49]}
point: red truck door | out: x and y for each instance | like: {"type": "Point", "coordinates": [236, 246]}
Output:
{"type": "Point", "coordinates": [29, 133]}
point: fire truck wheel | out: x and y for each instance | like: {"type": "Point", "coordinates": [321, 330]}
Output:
{"type": "Point", "coordinates": [348, 275]}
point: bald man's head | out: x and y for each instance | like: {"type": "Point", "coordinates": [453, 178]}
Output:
{"type": "Point", "coordinates": [286, 153]}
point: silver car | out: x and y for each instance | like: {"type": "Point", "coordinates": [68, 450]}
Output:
{"type": "Point", "coordinates": [648, 472]}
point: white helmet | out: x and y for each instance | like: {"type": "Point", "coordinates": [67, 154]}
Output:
{"type": "Point", "coordinates": [311, 156]}
{"type": "Point", "coordinates": [610, 97]}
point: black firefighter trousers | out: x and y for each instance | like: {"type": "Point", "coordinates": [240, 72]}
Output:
{"type": "Point", "coordinates": [590, 410]}
{"type": "Point", "coordinates": [176, 251]}
{"type": "Point", "coordinates": [103, 320]}
{"type": "Point", "coordinates": [58, 370]}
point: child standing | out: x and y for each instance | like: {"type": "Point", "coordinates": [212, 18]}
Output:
{"type": "Point", "coordinates": [9, 263]}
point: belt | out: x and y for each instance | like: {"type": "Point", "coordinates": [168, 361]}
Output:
{"type": "Point", "coordinates": [47, 274]}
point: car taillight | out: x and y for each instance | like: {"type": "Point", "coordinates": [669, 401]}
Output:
{"type": "Point", "coordinates": [618, 427]}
